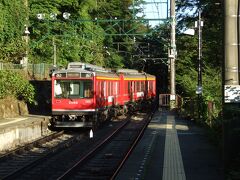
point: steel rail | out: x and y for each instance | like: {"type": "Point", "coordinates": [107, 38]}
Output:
{"type": "Point", "coordinates": [88, 155]}
{"type": "Point", "coordinates": [31, 145]}
{"type": "Point", "coordinates": [133, 146]}
{"type": "Point", "coordinates": [21, 170]}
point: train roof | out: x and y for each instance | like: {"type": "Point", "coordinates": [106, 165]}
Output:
{"type": "Point", "coordinates": [86, 66]}
{"type": "Point", "coordinates": [79, 67]}
{"type": "Point", "coordinates": [71, 70]}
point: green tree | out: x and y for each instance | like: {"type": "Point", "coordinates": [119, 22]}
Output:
{"type": "Point", "coordinates": [80, 38]}
{"type": "Point", "coordinates": [12, 20]}
{"type": "Point", "coordinates": [212, 50]}
{"type": "Point", "coordinates": [15, 85]}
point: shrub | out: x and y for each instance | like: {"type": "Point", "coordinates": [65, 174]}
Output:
{"type": "Point", "coordinates": [13, 84]}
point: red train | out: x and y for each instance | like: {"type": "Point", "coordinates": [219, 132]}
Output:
{"type": "Point", "coordinates": [83, 95]}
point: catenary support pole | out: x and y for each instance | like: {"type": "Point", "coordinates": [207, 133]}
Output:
{"type": "Point", "coordinates": [231, 43]}
{"type": "Point", "coordinates": [172, 55]}
{"type": "Point", "coordinates": [231, 88]}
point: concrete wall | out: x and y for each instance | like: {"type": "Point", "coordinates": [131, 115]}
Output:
{"type": "Point", "coordinates": [11, 137]}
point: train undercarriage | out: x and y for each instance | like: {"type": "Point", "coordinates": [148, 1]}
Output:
{"type": "Point", "coordinates": [94, 119]}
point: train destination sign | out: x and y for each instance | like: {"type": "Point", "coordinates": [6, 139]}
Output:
{"type": "Point", "coordinates": [232, 93]}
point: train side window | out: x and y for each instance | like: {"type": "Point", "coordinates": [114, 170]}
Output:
{"type": "Point", "coordinates": [138, 86]}
{"type": "Point", "coordinates": [118, 91]}
{"type": "Point", "coordinates": [116, 88]}
{"type": "Point", "coordinates": [99, 88]}
{"type": "Point", "coordinates": [150, 85]}
{"type": "Point", "coordinates": [104, 90]}
{"type": "Point", "coordinates": [129, 87]}
{"type": "Point", "coordinates": [133, 86]}
{"type": "Point", "coordinates": [146, 85]}
{"type": "Point", "coordinates": [112, 88]}
{"type": "Point", "coordinates": [142, 86]}
{"type": "Point", "coordinates": [109, 88]}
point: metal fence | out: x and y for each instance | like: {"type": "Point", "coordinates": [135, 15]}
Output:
{"type": "Point", "coordinates": [32, 71]}
{"type": "Point", "coordinates": [165, 100]}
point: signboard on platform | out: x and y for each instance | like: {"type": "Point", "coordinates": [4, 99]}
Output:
{"type": "Point", "coordinates": [232, 93]}
{"type": "Point", "coordinates": [172, 97]}
{"type": "Point", "coordinates": [199, 90]}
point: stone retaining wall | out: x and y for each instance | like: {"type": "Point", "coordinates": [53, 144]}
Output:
{"type": "Point", "coordinates": [11, 107]}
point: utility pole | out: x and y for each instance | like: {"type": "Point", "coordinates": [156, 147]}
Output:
{"type": "Point", "coordinates": [172, 55]}
{"type": "Point", "coordinates": [231, 43]}
{"type": "Point", "coordinates": [54, 53]}
{"type": "Point", "coordinates": [24, 61]}
{"type": "Point", "coordinates": [231, 100]}
{"type": "Point", "coordinates": [199, 25]}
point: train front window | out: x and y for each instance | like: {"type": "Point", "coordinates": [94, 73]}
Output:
{"type": "Point", "coordinates": [73, 89]}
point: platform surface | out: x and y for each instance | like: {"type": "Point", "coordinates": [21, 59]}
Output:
{"type": "Point", "coordinates": [173, 149]}
{"type": "Point", "coordinates": [21, 121]}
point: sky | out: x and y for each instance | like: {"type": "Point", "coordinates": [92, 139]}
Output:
{"type": "Point", "coordinates": [156, 9]}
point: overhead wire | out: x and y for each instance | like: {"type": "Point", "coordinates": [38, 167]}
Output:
{"type": "Point", "coordinates": [123, 30]}
{"type": "Point", "coordinates": [157, 8]}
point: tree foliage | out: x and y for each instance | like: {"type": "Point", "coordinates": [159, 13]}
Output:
{"type": "Point", "coordinates": [12, 20]}
{"type": "Point", "coordinates": [79, 38]}
{"type": "Point", "coordinates": [212, 50]}
{"type": "Point", "coordinates": [13, 84]}
{"type": "Point", "coordinates": [83, 36]}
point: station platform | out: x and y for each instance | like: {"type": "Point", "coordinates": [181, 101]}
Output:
{"type": "Point", "coordinates": [173, 149]}
{"type": "Point", "coordinates": [15, 132]}
{"type": "Point", "coordinates": [21, 121]}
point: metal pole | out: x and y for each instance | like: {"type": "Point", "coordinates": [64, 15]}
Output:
{"type": "Point", "coordinates": [230, 80]}
{"type": "Point", "coordinates": [173, 52]}
{"type": "Point", "coordinates": [199, 63]}
{"type": "Point", "coordinates": [231, 43]}
{"type": "Point", "coordinates": [54, 53]}
{"type": "Point", "coordinates": [199, 49]}
{"type": "Point", "coordinates": [26, 37]}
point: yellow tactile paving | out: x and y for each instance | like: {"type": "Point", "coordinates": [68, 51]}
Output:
{"type": "Point", "coordinates": [173, 165]}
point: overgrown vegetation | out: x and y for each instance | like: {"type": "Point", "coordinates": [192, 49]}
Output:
{"type": "Point", "coordinates": [12, 19]}
{"type": "Point", "coordinates": [87, 36]}
{"type": "Point", "coordinates": [212, 54]}
{"type": "Point", "coordinates": [13, 84]}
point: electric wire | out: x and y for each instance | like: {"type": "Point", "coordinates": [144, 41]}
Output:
{"type": "Point", "coordinates": [123, 30]}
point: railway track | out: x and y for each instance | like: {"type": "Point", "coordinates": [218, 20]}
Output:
{"type": "Point", "coordinates": [19, 160]}
{"type": "Point", "coordinates": [105, 160]}
{"type": "Point", "coordinates": [53, 164]}
{"type": "Point", "coordinates": [101, 156]}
